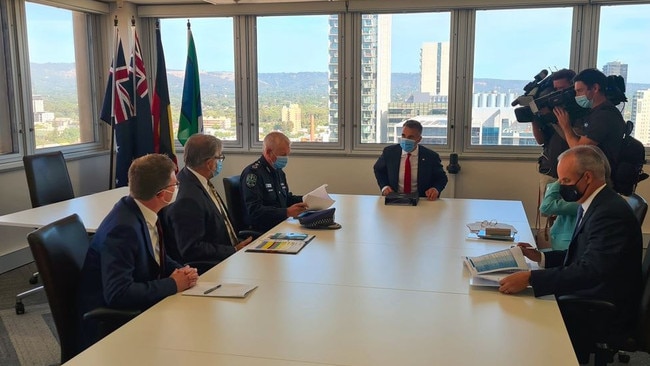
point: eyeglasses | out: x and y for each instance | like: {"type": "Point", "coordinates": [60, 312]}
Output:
{"type": "Point", "coordinates": [220, 158]}
{"type": "Point", "coordinates": [171, 185]}
{"type": "Point", "coordinates": [489, 223]}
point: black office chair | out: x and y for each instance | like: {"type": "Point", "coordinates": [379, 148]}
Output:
{"type": "Point", "coordinates": [639, 206]}
{"type": "Point", "coordinates": [598, 314]}
{"type": "Point", "coordinates": [48, 182]}
{"type": "Point", "coordinates": [236, 208]}
{"type": "Point", "coordinates": [59, 250]}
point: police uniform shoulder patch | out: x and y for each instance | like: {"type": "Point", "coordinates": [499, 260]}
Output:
{"type": "Point", "coordinates": [255, 165]}
{"type": "Point", "coordinates": [251, 180]}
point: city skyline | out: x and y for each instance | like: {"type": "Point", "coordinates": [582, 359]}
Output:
{"type": "Point", "coordinates": [620, 29]}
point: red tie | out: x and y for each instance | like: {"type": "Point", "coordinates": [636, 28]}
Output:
{"type": "Point", "coordinates": [407, 174]}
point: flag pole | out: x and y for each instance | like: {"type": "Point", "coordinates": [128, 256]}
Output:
{"type": "Point", "coordinates": [111, 180]}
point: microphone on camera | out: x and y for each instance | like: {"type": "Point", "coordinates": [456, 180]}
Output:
{"type": "Point", "coordinates": [531, 88]}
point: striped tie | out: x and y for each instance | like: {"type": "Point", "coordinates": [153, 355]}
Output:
{"type": "Point", "coordinates": [222, 210]}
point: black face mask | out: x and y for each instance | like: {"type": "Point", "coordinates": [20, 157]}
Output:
{"type": "Point", "coordinates": [569, 192]}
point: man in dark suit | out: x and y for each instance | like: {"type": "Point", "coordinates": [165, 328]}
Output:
{"type": "Point", "coordinates": [199, 219]}
{"type": "Point", "coordinates": [126, 266]}
{"type": "Point", "coordinates": [603, 260]}
{"type": "Point", "coordinates": [424, 171]}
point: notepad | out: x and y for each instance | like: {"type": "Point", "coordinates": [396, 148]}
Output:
{"type": "Point", "coordinates": [207, 289]}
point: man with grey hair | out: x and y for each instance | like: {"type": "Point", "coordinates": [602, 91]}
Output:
{"type": "Point", "coordinates": [199, 220]}
{"type": "Point", "coordinates": [126, 266]}
{"type": "Point", "coordinates": [603, 260]}
{"type": "Point", "coordinates": [265, 188]}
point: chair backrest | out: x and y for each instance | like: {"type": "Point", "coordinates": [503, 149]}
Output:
{"type": "Point", "coordinates": [235, 202]}
{"type": "Point", "coordinates": [47, 178]}
{"type": "Point", "coordinates": [59, 250]}
{"type": "Point", "coordinates": [639, 206]}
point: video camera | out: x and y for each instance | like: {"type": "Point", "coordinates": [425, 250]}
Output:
{"type": "Point", "coordinates": [540, 99]}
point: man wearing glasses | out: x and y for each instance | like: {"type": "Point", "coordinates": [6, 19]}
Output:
{"type": "Point", "coordinates": [126, 266]}
{"type": "Point", "coordinates": [199, 220]}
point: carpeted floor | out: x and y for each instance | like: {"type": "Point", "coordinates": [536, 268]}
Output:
{"type": "Point", "coordinates": [30, 338]}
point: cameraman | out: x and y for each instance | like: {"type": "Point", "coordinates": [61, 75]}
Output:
{"type": "Point", "coordinates": [550, 135]}
{"type": "Point", "coordinates": [604, 126]}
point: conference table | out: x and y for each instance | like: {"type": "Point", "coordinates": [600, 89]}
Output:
{"type": "Point", "coordinates": [388, 288]}
{"type": "Point", "coordinates": [91, 209]}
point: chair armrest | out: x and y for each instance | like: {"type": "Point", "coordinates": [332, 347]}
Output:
{"type": "Point", "coordinates": [588, 304]}
{"type": "Point", "coordinates": [243, 234]}
{"type": "Point", "coordinates": [107, 314]}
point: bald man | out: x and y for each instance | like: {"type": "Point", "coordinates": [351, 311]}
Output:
{"type": "Point", "coordinates": [264, 186]}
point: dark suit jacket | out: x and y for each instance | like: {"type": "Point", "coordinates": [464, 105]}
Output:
{"type": "Point", "coordinates": [430, 171]}
{"type": "Point", "coordinates": [120, 270]}
{"type": "Point", "coordinates": [199, 230]}
{"type": "Point", "coordinates": [603, 260]}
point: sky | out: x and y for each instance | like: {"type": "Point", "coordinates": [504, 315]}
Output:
{"type": "Point", "coordinates": [510, 44]}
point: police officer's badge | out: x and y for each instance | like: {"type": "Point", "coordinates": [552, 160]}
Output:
{"type": "Point", "coordinates": [251, 180]}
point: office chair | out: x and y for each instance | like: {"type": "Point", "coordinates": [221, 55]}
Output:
{"type": "Point", "coordinates": [59, 250]}
{"type": "Point", "coordinates": [236, 208]}
{"type": "Point", "coordinates": [48, 182]}
{"type": "Point", "coordinates": [598, 315]}
{"type": "Point", "coordinates": [639, 206]}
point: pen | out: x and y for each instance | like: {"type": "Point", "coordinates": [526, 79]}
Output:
{"type": "Point", "coordinates": [211, 289]}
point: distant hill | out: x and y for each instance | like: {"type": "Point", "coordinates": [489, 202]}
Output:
{"type": "Point", "coordinates": [58, 80]}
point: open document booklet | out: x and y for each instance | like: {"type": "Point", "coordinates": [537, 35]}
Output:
{"type": "Point", "coordinates": [318, 199]}
{"type": "Point", "coordinates": [285, 243]}
{"type": "Point", "coordinates": [489, 269]}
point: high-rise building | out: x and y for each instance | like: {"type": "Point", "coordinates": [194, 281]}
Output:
{"type": "Point", "coordinates": [374, 79]}
{"type": "Point", "coordinates": [434, 68]}
{"type": "Point", "coordinates": [616, 68]}
{"type": "Point", "coordinates": [641, 116]}
{"type": "Point", "coordinates": [292, 114]}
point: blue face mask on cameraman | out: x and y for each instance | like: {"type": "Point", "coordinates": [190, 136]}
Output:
{"type": "Point", "coordinates": [281, 162]}
{"type": "Point", "coordinates": [407, 145]}
{"type": "Point", "coordinates": [219, 167]}
{"type": "Point", "coordinates": [583, 101]}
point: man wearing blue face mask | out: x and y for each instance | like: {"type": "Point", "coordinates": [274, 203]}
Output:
{"type": "Point", "coordinates": [409, 167]}
{"type": "Point", "coordinates": [604, 126]}
{"type": "Point", "coordinates": [264, 186]}
{"type": "Point", "coordinates": [199, 220]}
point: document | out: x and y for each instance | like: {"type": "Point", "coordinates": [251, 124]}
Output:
{"type": "Point", "coordinates": [318, 199]}
{"type": "Point", "coordinates": [270, 244]}
{"type": "Point", "coordinates": [505, 261]}
{"type": "Point", "coordinates": [212, 289]}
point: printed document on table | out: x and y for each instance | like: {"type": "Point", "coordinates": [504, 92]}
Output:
{"type": "Point", "coordinates": [318, 199]}
{"type": "Point", "coordinates": [215, 289]}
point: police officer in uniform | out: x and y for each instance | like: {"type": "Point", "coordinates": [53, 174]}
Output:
{"type": "Point", "coordinates": [264, 186]}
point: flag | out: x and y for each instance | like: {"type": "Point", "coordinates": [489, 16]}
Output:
{"type": "Point", "coordinates": [191, 119]}
{"type": "Point", "coordinates": [160, 109]}
{"type": "Point", "coordinates": [117, 109]}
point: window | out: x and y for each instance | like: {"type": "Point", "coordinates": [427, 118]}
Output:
{"type": "Point", "coordinates": [297, 63]}
{"type": "Point", "coordinates": [512, 46]}
{"type": "Point", "coordinates": [214, 42]}
{"type": "Point", "coordinates": [621, 28]}
{"type": "Point", "coordinates": [61, 82]}
{"type": "Point", "coordinates": [7, 140]}
{"type": "Point", "coordinates": [404, 74]}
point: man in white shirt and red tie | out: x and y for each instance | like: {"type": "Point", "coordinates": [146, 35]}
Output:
{"type": "Point", "coordinates": [408, 167]}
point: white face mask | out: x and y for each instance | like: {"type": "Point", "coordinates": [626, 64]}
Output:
{"type": "Point", "coordinates": [173, 196]}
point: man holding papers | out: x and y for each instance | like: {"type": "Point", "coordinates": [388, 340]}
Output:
{"type": "Point", "coordinates": [265, 188]}
{"type": "Point", "coordinates": [603, 260]}
{"type": "Point", "coordinates": [409, 167]}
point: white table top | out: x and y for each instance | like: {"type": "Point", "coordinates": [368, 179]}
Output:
{"type": "Point", "coordinates": [91, 209]}
{"type": "Point", "coordinates": [389, 288]}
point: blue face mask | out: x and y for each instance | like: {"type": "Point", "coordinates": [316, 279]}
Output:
{"type": "Point", "coordinates": [407, 145]}
{"type": "Point", "coordinates": [219, 167]}
{"type": "Point", "coordinates": [583, 101]}
{"type": "Point", "coordinates": [280, 162]}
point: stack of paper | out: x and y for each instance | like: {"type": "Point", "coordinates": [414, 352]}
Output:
{"type": "Point", "coordinates": [211, 289]}
{"type": "Point", "coordinates": [318, 199]}
{"type": "Point", "coordinates": [285, 243]}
